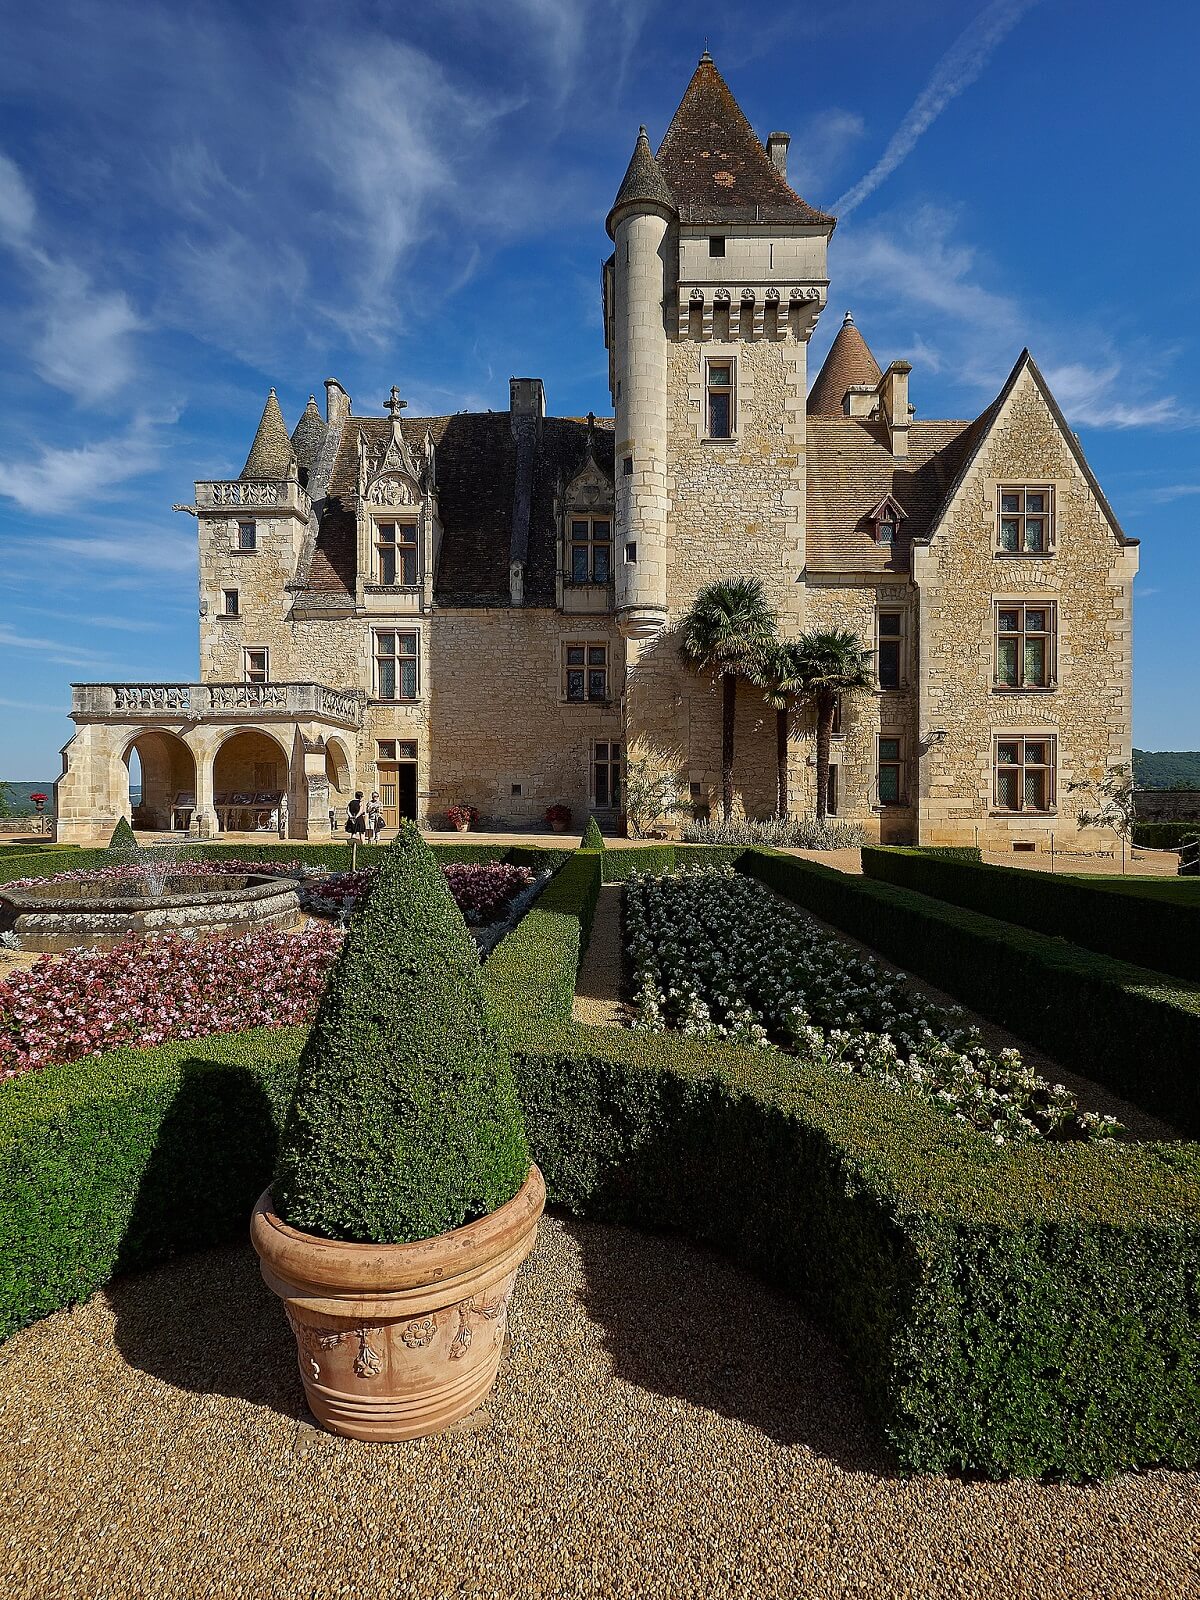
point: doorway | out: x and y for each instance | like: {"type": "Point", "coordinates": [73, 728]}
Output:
{"type": "Point", "coordinates": [397, 769]}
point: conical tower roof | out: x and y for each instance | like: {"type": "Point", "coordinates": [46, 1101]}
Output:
{"type": "Point", "coordinates": [716, 167]}
{"type": "Point", "coordinates": [309, 436]}
{"type": "Point", "coordinates": [848, 363]}
{"type": "Point", "coordinates": [643, 183]}
{"type": "Point", "coordinates": [271, 453]}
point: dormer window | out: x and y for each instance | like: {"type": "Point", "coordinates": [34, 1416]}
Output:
{"type": "Point", "coordinates": [885, 520]}
{"type": "Point", "coordinates": [590, 550]}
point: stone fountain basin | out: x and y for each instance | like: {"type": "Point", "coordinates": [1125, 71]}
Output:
{"type": "Point", "coordinates": [65, 916]}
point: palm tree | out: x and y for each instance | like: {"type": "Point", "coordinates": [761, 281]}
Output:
{"type": "Point", "coordinates": [831, 663]}
{"type": "Point", "coordinates": [724, 632]}
{"type": "Point", "coordinates": [779, 673]}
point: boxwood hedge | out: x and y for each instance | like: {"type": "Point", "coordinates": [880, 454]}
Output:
{"type": "Point", "coordinates": [1164, 835]}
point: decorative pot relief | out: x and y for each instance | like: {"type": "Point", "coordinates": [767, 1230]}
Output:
{"type": "Point", "coordinates": [418, 1334]}
{"type": "Point", "coordinates": [490, 1311]}
{"type": "Point", "coordinates": [368, 1363]}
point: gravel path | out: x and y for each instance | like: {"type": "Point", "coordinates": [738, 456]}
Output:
{"type": "Point", "coordinates": [598, 984]}
{"type": "Point", "coordinates": [703, 1444]}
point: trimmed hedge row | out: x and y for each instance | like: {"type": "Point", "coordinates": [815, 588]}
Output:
{"type": "Point", "coordinates": [1154, 923]}
{"type": "Point", "coordinates": [1132, 1029]}
{"type": "Point", "coordinates": [1022, 1310]}
{"type": "Point", "coordinates": [1164, 835]}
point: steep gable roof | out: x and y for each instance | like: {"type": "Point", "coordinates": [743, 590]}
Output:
{"type": "Point", "coordinates": [716, 167]}
{"type": "Point", "coordinates": [982, 427]}
{"type": "Point", "coordinates": [848, 363]}
{"type": "Point", "coordinates": [271, 453]}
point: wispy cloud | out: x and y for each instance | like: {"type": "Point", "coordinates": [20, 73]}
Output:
{"type": "Point", "coordinates": [53, 649]}
{"type": "Point", "coordinates": [120, 624]}
{"type": "Point", "coordinates": [60, 478]}
{"type": "Point", "coordinates": [82, 335]}
{"type": "Point", "coordinates": [820, 149]}
{"type": "Point", "coordinates": [1169, 492]}
{"type": "Point", "coordinates": [956, 71]}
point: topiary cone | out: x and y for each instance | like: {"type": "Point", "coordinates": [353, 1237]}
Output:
{"type": "Point", "coordinates": [122, 837]}
{"type": "Point", "coordinates": [592, 839]}
{"type": "Point", "coordinates": [404, 1197]}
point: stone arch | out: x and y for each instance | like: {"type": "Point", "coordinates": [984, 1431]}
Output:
{"type": "Point", "coordinates": [168, 779]}
{"type": "Point", "coordinates": [250, 774]}
{"type": "Point", "coordinates": [339, 772]}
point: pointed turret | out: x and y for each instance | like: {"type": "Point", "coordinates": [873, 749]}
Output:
{"type": "Point", "coordinates": [849, 365]}
{"type": "Point", "coordinates": [643, 186]}
{"type": "Point", "coordinates": [716, 168]}
{"type": "Point", "coordinates": [271, 454]}
{"type": "Point", "coordinates": [309, 436]}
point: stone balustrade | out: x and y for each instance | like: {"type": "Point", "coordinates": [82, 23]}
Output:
{"type": "Point", "coordinates": [216, 702]}
{"type": "Point", "coordinates": [255, 494]}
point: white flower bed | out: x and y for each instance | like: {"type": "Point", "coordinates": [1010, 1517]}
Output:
{"type": "Point", "coordinates": [714, 954]}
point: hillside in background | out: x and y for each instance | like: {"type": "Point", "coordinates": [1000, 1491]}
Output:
{"type": "Point", "coordinates": [18, 792]}
{"type": "Point", "coordinates": [1166, 769]}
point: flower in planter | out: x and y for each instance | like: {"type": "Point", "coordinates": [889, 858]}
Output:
{"type": "Point", "coordinates": [462, 817]}
{"type": "Point", "coordinates": [558, 815]}
{"type": "Point", "coordinates": [39, 800]}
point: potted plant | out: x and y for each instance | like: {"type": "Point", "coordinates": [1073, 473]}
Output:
{"type": "Point", "coordinates": [39, 801]}
{"type": "Point", "coordinates": [404, 1198]}
{"type": "Point", "coordinates": [462, 817]}
{"type": "Point", "coordinates": [559, 817]}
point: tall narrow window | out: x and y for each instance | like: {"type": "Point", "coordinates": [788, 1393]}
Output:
{"type": "Point", "coordinates": [719, 384]}
{"type": "Point", "coordinates": [396, 552]}
{"type": "Point", "coordinates": [586, 671]}
{"type": "Point", "coordinates": [890, 767]}
{"type": "Point", "coordinates": [590, 555]}
{"type": "Point", "coordinates": [1024, 773]}
{"type": "Point", "coordinates": [889, 658]}
{"type": "Point", "coordinates": [606, 774]}
{"type": "Point", "coordinates": [1026, 519]}
{"type": "Point", "coordinates": [831, 795]}
{"type": "Point", "coordinates": [1025, 638]}
{"type": "Point", "coordinates": [256, 664]}
{"type": "Point", "coordinates": [247, 536]}
{"type": "Point", "coordinates": [396, 666]}
{"type": "Point", "coordinates": [230, 599]}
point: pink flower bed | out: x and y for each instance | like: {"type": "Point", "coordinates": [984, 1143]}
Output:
{"type": "Point", "coordinates": [146, 992]}
{"type": "Point", "coordinates": [484, 891]}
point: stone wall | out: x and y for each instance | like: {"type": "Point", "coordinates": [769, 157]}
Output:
{"type": "Point", "coordinates": [1167, 805]}
{"type": "Point", "coordinates": [1088, 576]}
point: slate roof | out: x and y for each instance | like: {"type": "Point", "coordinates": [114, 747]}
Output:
{"type": "Point", "coordinates": [848, 363]}
{"type": "Point", "coordinates": [308, 436]}
{"type": "Point", "coordinates": [850, 469]}
{"type": "Point", "coordinates": [271, 453]}
{"type": "Point", "coordinates": [716, 167]}
{"type": "Point", "coordinates": [476, 456]}
{"type": "Point", "coordinates": [643, 181]}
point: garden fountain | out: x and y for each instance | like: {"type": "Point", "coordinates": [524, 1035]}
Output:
{"type": "Point", "coordinates": [151, 898]}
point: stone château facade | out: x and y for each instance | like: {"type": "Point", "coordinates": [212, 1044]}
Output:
{"type": "Point", "coordinates": [482, 608]}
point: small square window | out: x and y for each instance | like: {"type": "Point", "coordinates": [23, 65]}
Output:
{"type": "Point", "coordinates": [256, 665]}
{"type": "Point", "coordinates": [716, 244]}
{"type": "Point", "coordinates": [386, 750]}
{"type": "Point", "coordinates": [247, 536]}
{"type": "Point", "coordinates": [230, 601]}
{"type": "Point", "coordinates": [515, 790]}
{"type": "Point", "coordinates": [631, 552]}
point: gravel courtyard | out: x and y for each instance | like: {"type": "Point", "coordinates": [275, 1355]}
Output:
{"type": "Point", "coordinates": [664, 1426]}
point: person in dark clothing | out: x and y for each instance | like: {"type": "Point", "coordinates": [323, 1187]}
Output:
{"type": "Point", "coordinates": [356, 816]}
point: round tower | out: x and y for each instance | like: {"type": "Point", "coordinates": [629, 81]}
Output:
{"type": "Point", "coordinates": [638, 225]}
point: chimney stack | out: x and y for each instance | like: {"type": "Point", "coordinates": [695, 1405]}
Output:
{"type": "Point", "coordinates": [337, 403]}
{"type": "Point", "coordinates": [895, 411]}
{"type": "Point", "coordinates": [777, 149]}
{"type": "Point", "coordinates": [526, 397]}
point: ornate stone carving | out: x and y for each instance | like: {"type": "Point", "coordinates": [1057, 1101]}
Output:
{"type": "Point", "coordinates": [392, 492]}
{"type": "Point", "coordinates": [416, 1335]}
{"type": "Point", "coordinates": [152, 696]}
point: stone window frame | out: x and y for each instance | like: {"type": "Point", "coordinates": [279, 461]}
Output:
{"type": "Point", "coordinates": [241, 545]}
{"type": "Point", "coordinates": [718, 358]}
{"type": "Point", "coordinates": [1008, 487]}
{"type": "Point", "coordinates": [397, 547]}
{"type": "Point", "coordinates": [389, 750]}
{"type": "Point", "coordinates": [896, 763]}
{"type": "Point", "coordinates": [250, 672]}
{"type": "Point", "coordinates": [398, 658]}
{"type": "Point", "coordinates": [1022, 766]}
{"type": "Point", "coordinates": [613, 765]}
{"type": "Point", "coordinates": [589, 543]}
{"type": "Point", "coordinates": [900, 639]}
{"type": "Point", "coordinates": [585, 670]}
{"type": "Point", "coordinates": [232, 613]}
{"type": "Point", "coordinates": [1021, 604]}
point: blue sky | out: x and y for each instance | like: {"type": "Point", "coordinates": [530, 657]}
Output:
{"type": "Point", "coordinates": [199, 202]}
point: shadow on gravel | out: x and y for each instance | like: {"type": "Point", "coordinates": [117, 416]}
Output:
{"type": "Point", "coordinates": [681, 1320]}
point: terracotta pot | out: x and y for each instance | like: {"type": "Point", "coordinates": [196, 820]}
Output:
{"type": "Point", "coordinates": [463, 827]}
{"type": "Point", "coordinates": [559, 827]}
{"type": "Point", "coordinates": [399, 1341]}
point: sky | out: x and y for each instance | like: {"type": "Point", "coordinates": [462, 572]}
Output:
{"type": "Point", "coordinates": [199, 202]}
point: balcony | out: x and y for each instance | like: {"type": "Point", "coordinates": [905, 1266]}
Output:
{"type": "Point", "coordinates": [282, 497]}
{"type": "Point", "coordinates": [215, 702]}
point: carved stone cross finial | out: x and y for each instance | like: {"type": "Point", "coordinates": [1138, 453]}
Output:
{"type": "Point", "coordinates": [395, 405]}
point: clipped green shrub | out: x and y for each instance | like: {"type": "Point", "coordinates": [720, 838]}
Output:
{"type": "Point", "coordinates": [122, 836]}
{"type": "Point", "coordinates": [592, 839]}
{"type": "Point", "coordinates": [405, 1121]}
{"type": "Point", "coordinates": [950, 852]}
{"type": "Point", "coordinates": [1164, 835]}
{"type": "Point", "coordinates": [617, 865]}
{"type": "Point", "coordinates": [1135, 1030]}
{"type": "Point", "coordinates": [1151, 922]}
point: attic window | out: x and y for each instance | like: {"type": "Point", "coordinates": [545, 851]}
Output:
{"type": "Point", "coordinates": [885, 520]}
{"type": "Point", "coordinates": [716, 244]}
{"type": "Point", "coordinates": [886, 527]}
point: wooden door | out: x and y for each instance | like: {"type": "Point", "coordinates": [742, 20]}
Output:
{"type": "Point", "coordinates": [397, 792]}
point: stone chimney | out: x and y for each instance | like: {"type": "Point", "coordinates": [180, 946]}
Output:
{"type": "Point", "coordinates": [337, 403]}
{"type": "Point", "coordinates": [777, 149]}
{"type": "Point", "coordinates": [894, 409]}
{"type": "Point", "coordinates": [526, 397]}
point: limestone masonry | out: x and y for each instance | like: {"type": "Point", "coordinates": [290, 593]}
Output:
{"type": "Point", "coordinates": [483, 608]}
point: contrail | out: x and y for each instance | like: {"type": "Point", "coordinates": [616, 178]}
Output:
{"type": "Point", "coordinates": [956, 71]}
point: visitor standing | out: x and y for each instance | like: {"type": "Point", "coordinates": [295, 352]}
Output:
{"type": "Point", "coordinates": [374, 817]}
{"type": "Point", "coordinates": [356, 818]}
